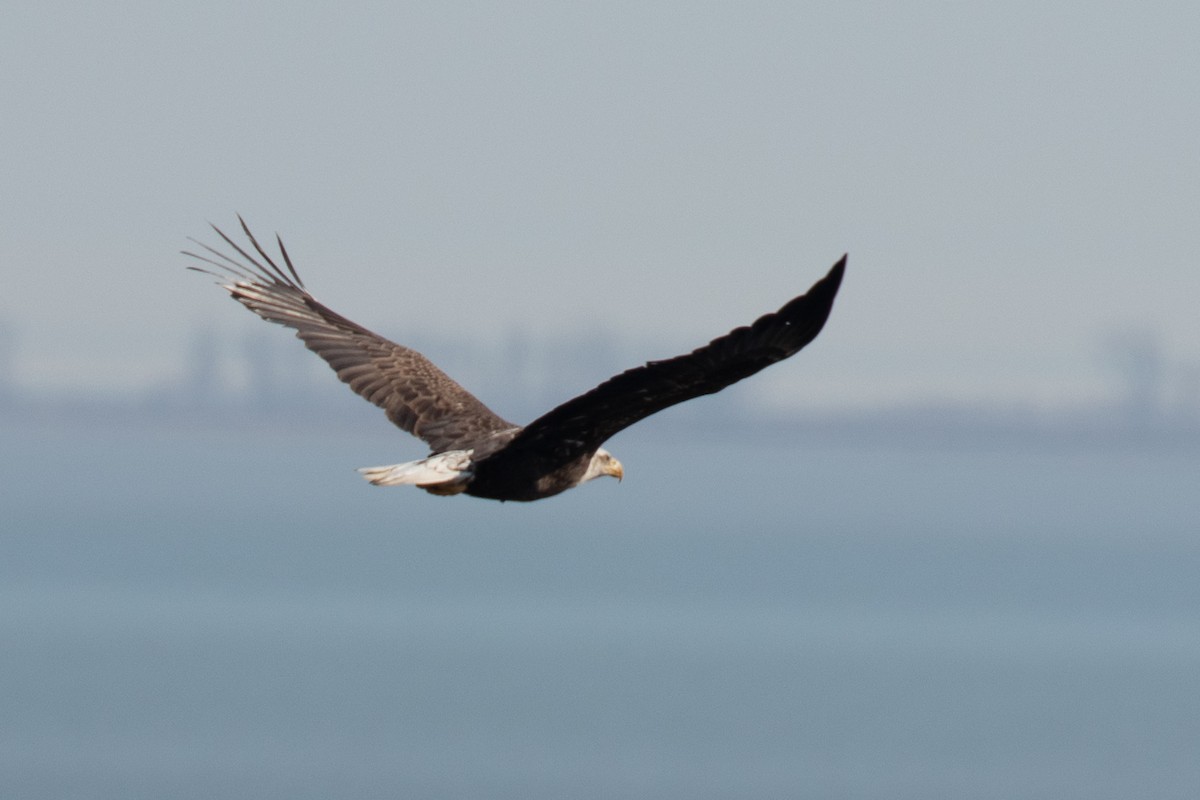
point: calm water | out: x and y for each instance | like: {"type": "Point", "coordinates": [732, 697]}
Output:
{"type": "Point", "coordinates": [197, 616]}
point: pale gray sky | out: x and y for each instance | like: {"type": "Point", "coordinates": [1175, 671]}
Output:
{"type": "Point", "coordinates": [1012, 181]}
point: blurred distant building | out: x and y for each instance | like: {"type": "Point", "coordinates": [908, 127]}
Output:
{"type": "Point", "coordinates": [1187, 397]}
{"type": "Point", "coordinates": [263, 370]}
{"type": "Point", "coordinates": [1136, 356]}
{"type": "Point", "coordinates": [201, 384]}
{"type": "Point", "coordinates": [8, 350]}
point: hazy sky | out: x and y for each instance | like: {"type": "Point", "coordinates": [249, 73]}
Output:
{"type": "Point", "coordinates": [1012, 181]}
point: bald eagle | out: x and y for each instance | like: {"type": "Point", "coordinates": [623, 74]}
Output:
{"type": "Point", "coordinates": [475, 451]}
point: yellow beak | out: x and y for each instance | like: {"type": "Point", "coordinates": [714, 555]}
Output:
{"type": "Point", "coordinates": [615, 469]}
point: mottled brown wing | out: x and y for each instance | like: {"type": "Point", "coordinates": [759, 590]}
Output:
{"type": "Point", "coordinates": [582, 424]}
{"type": "Point", "coordinates": [415, 394]}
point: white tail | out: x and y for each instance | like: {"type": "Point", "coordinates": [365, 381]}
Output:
{"type": "Point", "coordinates": [444, 473]}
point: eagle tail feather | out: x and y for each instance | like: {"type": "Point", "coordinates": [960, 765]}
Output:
{"type": "Point", "coordinates": [442, 473]}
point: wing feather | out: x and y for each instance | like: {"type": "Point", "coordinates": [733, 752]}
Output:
{"type": "Point", "coordinates": [582, 424]}
{"type": "Point", "coordinates": [416, 395]}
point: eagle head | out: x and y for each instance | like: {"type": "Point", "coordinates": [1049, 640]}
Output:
{"type": "Point", "coordinates": [603, 463]}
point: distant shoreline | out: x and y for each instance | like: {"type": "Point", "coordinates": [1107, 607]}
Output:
{"type": "Point", "coordinates": [908, 427]}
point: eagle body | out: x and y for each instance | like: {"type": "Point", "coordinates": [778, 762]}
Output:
{"type": "Point", "coordinates": [464, 472]}
{"type": "Point", "coordinates": [501, 479]}
{"type": "Point", "coordinates": [474, 451]}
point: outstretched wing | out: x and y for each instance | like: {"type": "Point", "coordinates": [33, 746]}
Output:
{"type": "Point", "coordinates": [415, 394]}
{"type": "Point", "coordinates": [581, 425]}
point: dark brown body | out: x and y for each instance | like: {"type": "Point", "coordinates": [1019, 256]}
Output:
{"type": "Point", "coordinates": [502, 479]}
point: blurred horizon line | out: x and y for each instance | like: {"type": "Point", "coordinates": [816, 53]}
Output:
{"type": "Point", "coordinates": [265, 380]}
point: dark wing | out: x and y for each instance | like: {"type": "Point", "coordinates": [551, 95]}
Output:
{"type": "Point", "coordinates": [415, 394]}
{"type": "Point", "coordinates": [581, 425]}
